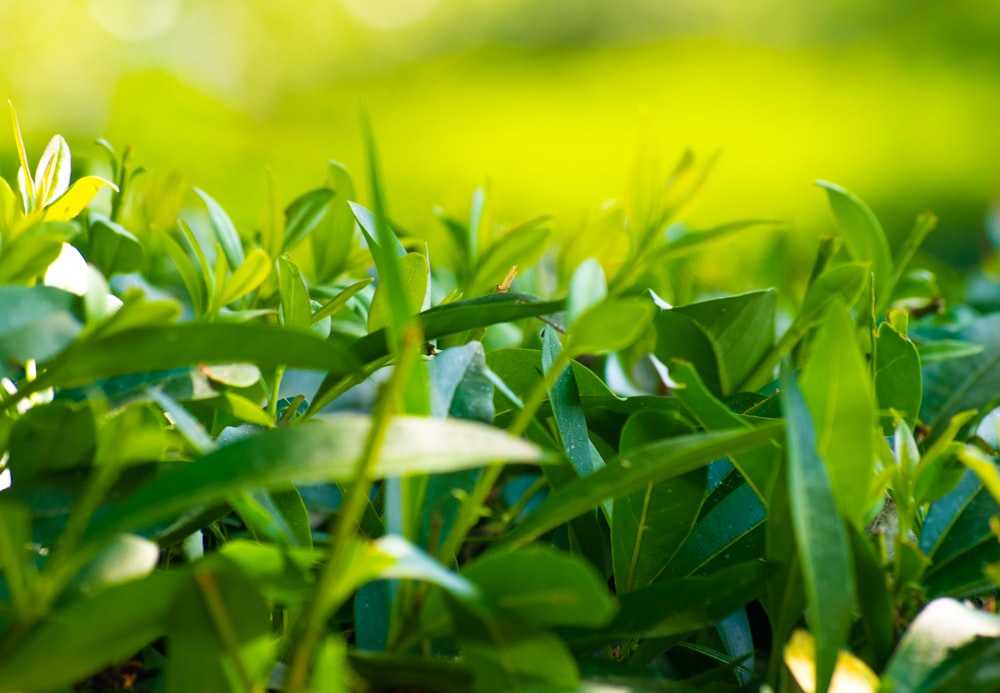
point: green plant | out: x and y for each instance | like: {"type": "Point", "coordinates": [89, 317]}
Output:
{"type": "Point", "coordinates": [259, 469]}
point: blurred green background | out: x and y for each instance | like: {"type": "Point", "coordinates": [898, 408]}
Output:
{"type": "Point", "coordinates": [896, 100]}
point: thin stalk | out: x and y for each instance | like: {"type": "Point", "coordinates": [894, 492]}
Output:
{"type": "Point", "coordinates": [223, 622]}
{"type": "Point", "coordinates": [470, 511]}
{"type": "Point", "coordinates": [329, 588]}
{"type": "Point", "coordinates": [272, 405]}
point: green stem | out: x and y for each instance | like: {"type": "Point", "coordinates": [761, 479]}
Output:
{"type": "Point", "coordinates": [329, 589]}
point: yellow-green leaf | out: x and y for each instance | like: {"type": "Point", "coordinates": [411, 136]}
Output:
{"type": "Point", "coordinates": [247, 277]}
{"type": "Point", "coordinates": [76, 198]}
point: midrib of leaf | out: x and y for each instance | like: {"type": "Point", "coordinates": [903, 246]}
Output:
{"type": "Point", "coordinates": [640, 532]}
{"type": "Point", "coordinates": [708, 559]}
{"type": "Point", "coordinates": [826, 433]}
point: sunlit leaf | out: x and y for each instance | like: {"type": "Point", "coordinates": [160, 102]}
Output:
{"type": "Point", "coordinates": [76, 198]}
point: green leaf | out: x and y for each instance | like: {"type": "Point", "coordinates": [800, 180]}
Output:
{"type": "Point", "coordinates": [509, 656]}
{"type": "Point", "coordinates": [835, 384]}
{"type": "Point", "coordinates": [587, 288]}
{"type": "Point", "coordinates": [758, 467]}
{"type": "Point", "coordinates": [958, 385]}
{"type": "Point", "coordinates": [385, 253]}
{"type": "Point", "coordinates": [224, 230]}
{"type": "Point", "coordinates": [956, 537]}
{"type": "Point", "coordinates": [90, 633]}
{"type": "Point", "coordinates": [874, 599]}
{"type": "Point", "coordinates": [315, 211]}
{"type": "Point", "coordinates": [60, 435]}
{"type": "Point", "coordinates": [145, 349]}
{"type": "Point", "coordinates": [946, 349]}
{"type": "Point", "coordinates": [819, 531]}
{"type": "Point", "coordinates": [35, 322]}
{"type": "Point", "coordinates": [296, 310]}
{"type": "Point", "coordinates": [680, 605]}
{"type": "Point", "coordinates": [724, 338]}
{"type": "Point", "coordinates": [415, 277]}
{"type": "Point", "coordinates": [28, 255]}
{"type": "Point", "coordinates": [440, 321]}
{"type": "Point", "coordinates": [333, 236]}
{"type": "Point", "coordinates": [864, 238]}
{"type": "Point", "coordinates": [564, 398]}
{"type": "Point", "coordinates": [218, 630]}
{"type": "Point", "coordinates": [647, 527]}
{"type": "Point", "coordinates": [897, 376]}
{"type": "Point", "coordinates": [925, 223]}
{"type": "Point", "coordinates": [610, 326]}
{"type": "Point", "coordinates": [113, 249]}
{"type": "Point", "coordinates": [253, 272]}
{"type": "Point", "coordinates": [323, 451]}
{"type": "Point", "coordinates": [729, 529]}
{"type": "Point", "coordinates": [333, 306]}
{"type": "Point", "coordinates": [649, 464]}
{"type": "Point", "coordinates": [541, 586]}
{"type": "Point", "coordinates": [193, 282]}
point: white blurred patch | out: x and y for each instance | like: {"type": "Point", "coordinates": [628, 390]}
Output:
{"type": "Point", "coordinates": [389, 14]}
{"type": "Point", "coordinates": [132, 20]}
{"type": "Point", "coordinates": [69, 271]}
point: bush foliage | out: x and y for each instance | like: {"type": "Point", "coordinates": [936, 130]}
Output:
{"type": "Point", "coordinates": [309, 456]}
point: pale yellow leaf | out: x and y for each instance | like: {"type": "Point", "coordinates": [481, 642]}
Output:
{"type": "Point", "coordinates": [851, 675]}
{"type": "Point", "coordinates": [53, 172]}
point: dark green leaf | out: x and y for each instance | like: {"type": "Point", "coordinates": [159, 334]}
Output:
{"type": "Point", "coordinates": [680, 605]}
{"type": "Point", "coordinates": [819, 531]}
{"type": "Point", "coordinates": [650, 464]}
{"type": "Point", "coordinates": [724, 338]}
{"type": "Point", "coordinates": [91, 633]}
{"type": "Point", "coordinates": [647, 527]}
{"type": "Point", "coordinates": [973, 382]}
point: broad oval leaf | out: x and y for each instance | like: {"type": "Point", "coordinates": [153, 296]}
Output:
{"type": "Point", "coordinates": [541, 586]}
{"type": "Point", "coordinates": [610, 326]}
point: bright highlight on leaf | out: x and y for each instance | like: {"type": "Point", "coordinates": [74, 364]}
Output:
{"type": "Point", "coordinates": [851, 675]}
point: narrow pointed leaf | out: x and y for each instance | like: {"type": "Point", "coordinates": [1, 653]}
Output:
{"type": "Point", "coordinates": [649, 464]}
{"type": "Point", "coordinates": [820, 534]}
